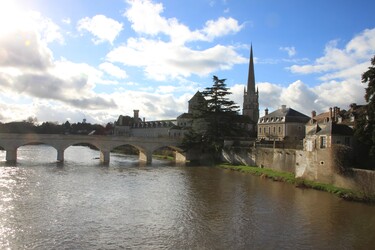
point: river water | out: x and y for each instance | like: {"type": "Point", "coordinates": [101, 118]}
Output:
{"type": "Point", "coordinates": [83, 205]}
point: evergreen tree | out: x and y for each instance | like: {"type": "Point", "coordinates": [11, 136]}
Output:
{"type": "Point", "coordinates": [365, 129]}
{"type": "Point", "coordinates": [214, 120]}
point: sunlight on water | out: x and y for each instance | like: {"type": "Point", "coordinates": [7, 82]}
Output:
{"type": "Point", "coordinates": [82, 204]}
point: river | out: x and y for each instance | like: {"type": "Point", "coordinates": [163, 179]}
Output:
{"type": "Point", "coordinates": [82, 204]}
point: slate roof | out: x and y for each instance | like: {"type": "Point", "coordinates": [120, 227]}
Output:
{"type": "Point", "coordinates": [289, 114]}
{"type": "Point", "coordinates": [332, 129]}
{"type": "Point", "coordinates": [186, 116]}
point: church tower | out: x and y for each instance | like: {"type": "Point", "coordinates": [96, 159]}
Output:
{"type": "Point", "coordinates": [251, 97]}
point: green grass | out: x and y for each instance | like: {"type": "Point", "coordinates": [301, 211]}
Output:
{"type": "Point", "coordinates": [301, 183]}
{"type": "Point", "coordinates": [164, 157]}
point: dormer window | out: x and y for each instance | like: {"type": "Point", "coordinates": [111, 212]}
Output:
{"type": "Point", "coordinates": [352, 118]}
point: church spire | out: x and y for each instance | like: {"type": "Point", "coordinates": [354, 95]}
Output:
{"type": "Point", "coordinates": [251, 77]}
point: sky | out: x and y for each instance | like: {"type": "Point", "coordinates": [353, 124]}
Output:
{"type": "Point", "coordinates": [97, 59]}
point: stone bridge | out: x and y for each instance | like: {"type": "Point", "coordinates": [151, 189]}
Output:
{"type": "Point", "coordinates": [146, 145]}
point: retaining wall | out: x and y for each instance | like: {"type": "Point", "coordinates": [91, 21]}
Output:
{"type": "Point", "coordinates": [319, 166]}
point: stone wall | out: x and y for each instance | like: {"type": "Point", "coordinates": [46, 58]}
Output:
{"type": "Point", "coordinates": [277, 159]}
{"type": "Point", "coordinates": [318, 165]}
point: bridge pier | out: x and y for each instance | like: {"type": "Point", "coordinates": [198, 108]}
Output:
{"type": "Point", "coordinates": [145, 157]}
{"type": "Point", "coordinates": [179, 157]}
{"type": "Point", "coordinates": [104, 156]}
{"type": "Point", "coordinates": [60, 155]}
{"type": "Point", "coordinates": [11, 155]}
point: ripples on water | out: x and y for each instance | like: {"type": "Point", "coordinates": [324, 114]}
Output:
{"type": "Point", "coordinates": [83, 205]}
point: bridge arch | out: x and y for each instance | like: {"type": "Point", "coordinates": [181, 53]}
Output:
{"type": "Point", "coordinates": [140, 150]}
{"type": "Point", "coordinates": [12, 148]}
{"type": "Point", "coordinates": [176, 152]}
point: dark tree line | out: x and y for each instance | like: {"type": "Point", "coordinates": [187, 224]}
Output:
{"type": "Point", "coordinates": [83, 128]}
{"type": "Point", "coordinates": [365, 129]}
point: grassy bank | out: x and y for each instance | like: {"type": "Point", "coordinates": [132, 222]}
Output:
{"type": "Point", "coordinates": [346, 194]}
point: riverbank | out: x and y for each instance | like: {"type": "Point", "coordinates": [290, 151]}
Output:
{"type": "Point", "coordinates": [346, 194]}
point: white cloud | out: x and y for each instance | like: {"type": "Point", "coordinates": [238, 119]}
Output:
{"type": "Point", "coordinates": [66, 20]}
{"type": "Point", "coordinates": [146, 19]}
{"type": "Point", "coordinates": [28, 69]}
{"type": "Point", "coordinates": [357, 51]}
{"type": "Point", "coordinates": [290, 50]}
{"type": "Point", "coordinates": [221, 27]}
{"type": "Point", "coordinates": [170, 58]}
{"type": "Point", "coordinates": [102, 27]}
{"type": "Point", "coordinates": [171, 61]}
{"type": "Point", "coordinates": [23, 49]}
{"type": "Point", "coordinates": [340, 72]}
{"type": "Point", "coordinates": [113, 70]}
{"type": "Point", "coordinates": [152, 106]}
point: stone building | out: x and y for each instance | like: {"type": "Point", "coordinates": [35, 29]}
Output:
{"type": "Point", "coordinates": [284, 124]}
{"type": "Point", "coordinates": [332, 127]}
{"type": "Point", "coordinates": [134, 126]}
{"type": "Point", "coordinates": [185, 120]}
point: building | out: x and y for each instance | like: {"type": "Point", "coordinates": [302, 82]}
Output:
{"type": "Point", "coordinates": [134, 126]}
{"type": "Point", "coordinates": [284, 124]}
{"type": "Point", "coordinates": [332, 127]}
{"type": "Point", "coordinates": [251, 99]}
{"type": "Point", "coordinates": [185, 120]}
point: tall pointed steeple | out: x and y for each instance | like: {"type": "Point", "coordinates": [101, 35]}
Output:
{"type": "Point", "coordinates": [251, 76]}
{"type": "Point", "coordinates": [251, 97]}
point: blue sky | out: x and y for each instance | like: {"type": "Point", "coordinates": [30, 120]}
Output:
{"type": "Point", "coordinates": [96, 59]}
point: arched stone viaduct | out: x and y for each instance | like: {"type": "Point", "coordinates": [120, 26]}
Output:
{"type": "Point", "coordinates": [146, 145]}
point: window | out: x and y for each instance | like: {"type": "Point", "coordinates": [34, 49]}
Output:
{"type": "Point", "coordinates": [323, 142]}
{"type": "Point", "coordinates": [347, 141]}
{"type": "Point", "coordinates": [279, 130]}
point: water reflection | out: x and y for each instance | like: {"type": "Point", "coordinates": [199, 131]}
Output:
{"type": "Point", "coordinates": [82, 205]}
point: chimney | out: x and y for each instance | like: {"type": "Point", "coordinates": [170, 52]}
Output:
{"type": "Point", "coordinates": [330, 114]}
{"type": "Point", "coordinates": [136, 115]}
{"type": "Point", "coordinates": [283, 108]}
{"type": "Point", "coordinates": [266, 111]}
{"type": "Point", "coordinates": [336, 113]}
{"type": "Point", "coordinates": [313, 114]}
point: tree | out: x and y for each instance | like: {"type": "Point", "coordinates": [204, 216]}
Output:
{"type": "Point", "coordinates": [365, 129]}
{"type": "Point", "coordinates": [214, 120]}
